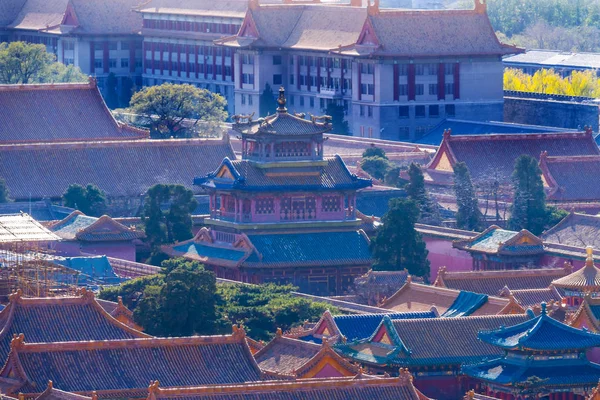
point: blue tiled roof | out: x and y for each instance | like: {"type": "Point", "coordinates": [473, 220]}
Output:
{"type": "Point", "coordinates": [376, 202]}
{"type": "Point", "coordinates": [542, 333]}
{"type": "Point", "coordinates": [466, 304]}
{"type": "Point", "coordinates": [361, 326]}
{"type": "Point", "coordinates": [320, 248]}
{"type": "Point", "coordinates": [96, 269]}
{"type": "Point", "coordinates": [492, 240]}
{"type": "Point", "coordinates": [595, 310]}
{"type": "Point", "coordinates": [201, 250]}
{"type": "Point", "coordinates": [564, 372]}
{"type": "Point", "coordinates": [68, 229]}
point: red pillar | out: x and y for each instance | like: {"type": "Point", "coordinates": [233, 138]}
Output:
{"type": "Point", "coordinates": [178, 48]}
{"type": "Point", "coordinates": [214, 63]}
{"type": "Point", "coordinates": [197, 51]}
{"type": "Point", "coordinates": [319, 74]}
{"type": "Point", "coordinates": [457, 81]}
{"type": "Point", "coordinates": [571, 396]}
{"type": "Point", "coordinates": [396, 83]}
{"type": "Point", "coordinates": [161, 49]}
{"type": "Point", "coordinates": [132, 56]}
{"type": "Point", "coordinates": [297, 73]}
{"type": "Point", "coordinates": [187, 60]}
{"type": "Point", "coordinates": [359, 80]}
{"type": "Point", "coordinates": [308, 62]}
{"type": "Point", "coordinates": [205, 59]}
{"type": "Point", "coordinates": [223, 64]}
{"type": "Point", "coordinates": [374, 81]}
{"type": "Point", "coordinates": [342, 65]}
{"type": "Point", "coordinates": [441, 82]}
{"type": "Point", "coordinates": [232, 55]}
{"type": "Point", "coordinates": [240, 70]}
{"type": "Point", "coordinates": [92, 58]}
{"type": "Point", "coordinates": [170, 65]}
{"type": "Point", "coordinates": [329, 66]}
{"type": "Point", "coordinates": [411, 82]}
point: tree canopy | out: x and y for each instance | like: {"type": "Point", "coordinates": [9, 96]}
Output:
{"type": "Point", "coordinates": [24, 63]}
{"type": "Point", "coordinates": [415, 189]}
{"type": "Point", "coordinates": [179, 110]}
{"type": "Point", "coordinates": [167, 214]}
{"type": "Point", "coordinates": [90, 200]}
{"type": "Point", "coordinates": [469, 216]}
{"type": "Point", "coordinates": [338, 118]}
{"type": "Point", "coordinates": [4, 192]}
{"type": "Point", "coordinates": [267, 103]}
{"type": "Point", "coordinates": [397, 245]}
{"type": "Point", "coordinates": [548, 81]}
{"type": "Point", "coordinates": [529, 205]}
{"type": "Point", "coordinates": [184, 299]}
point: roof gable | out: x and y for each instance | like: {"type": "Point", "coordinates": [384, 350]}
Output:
{"type": "Point", "coordinates": [575, 229]}
{"type": "Point", "coordinates": [248, 28]}
{"type": "Point", "coordinates": [70, 18]}
{"type": "Point", "coordinates": [284, 355]}
{"type": "Point", "coordinates": [495, 240]}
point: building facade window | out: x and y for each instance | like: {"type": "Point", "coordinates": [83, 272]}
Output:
{"type": "Point", "coordinates": [98, 63]}
{"type": "Point", "coordinates": [250, 97]}
{"type": "Point", "coordinates": [403, 132]}
{"type": "Point", "coordinates": [403, 112]}
{"type": "Point", "coordinates": [112, 63]}
{"type": "Point", "coordinates": [419, 89]}
{"type": "Point", "coordinates": [312, 102]}
{"type": "Point", "coordinates": [403, 69]}
{"type": "Point", "coordinates": [449, 69]}
{"type": "Point", "coordinates": [403, 90]}
{"type": "Point", "coordinates": [291, 79]}
{"type": "Point", "coordinates": [450, 110]}
{"type": "Point", "coordinates": [449, 89]}
{"type": "Point", "coordinates": [370, 111]}
{"type": "Point", "coordinates": [420, 112]}
{"type": "Point", "coordinates": [276, 60]}
{"type": "Point", "coordinates": [243, 99]}
{"type": "Point", "coordinates": [433, 89]}
{"type": "Point", "coordinates": [124, 63]}
{"type": "Point", "coordinates": [434, 111]}
{"type": "Point", "coordinates": [301, 101]}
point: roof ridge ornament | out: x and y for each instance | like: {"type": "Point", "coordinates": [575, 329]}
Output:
{"type": "Point", "coordinates": [589, 261]}
{"type": "Point", "coordinates": [281, 100]}
{"type": "Point", "coordinates": [480, 6]}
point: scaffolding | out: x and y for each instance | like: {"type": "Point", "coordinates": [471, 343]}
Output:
{"type": "Point", "coordinates": [27, 260]}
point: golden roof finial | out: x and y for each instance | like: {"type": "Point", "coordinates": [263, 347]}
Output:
{"type": "Point", "coordinates": [281, 100]}
{"type": "Point", "coordinates": [279, 332]}
{"type": "Point", "coordinates": [589, 261]}
{"type": "Point", "coordinates": [50, 384]}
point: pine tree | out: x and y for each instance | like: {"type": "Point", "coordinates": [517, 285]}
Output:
{"type": "Point", "coordinates": [397, 245]}
{"type": "Point", "coordinates": [416, 191]}
{"type": "Point", "coordinates": [529, 205]}
{"type": "Point", "coordinates": [338, 118]}
{"type": "Point", "coordinates": [468, 216]}
{"type": "Point", "coordinates": [4, 192]}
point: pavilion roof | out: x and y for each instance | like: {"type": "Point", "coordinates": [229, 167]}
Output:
{"type": "Point", "coordinates": [571, 178]}
{"type": "Point", "coordinates": [502, 151]}
{"type": "Point", "coordinates": [428, 342]}
{"type": "Point", "coordinates": [352, 388]}
{"type": "Point", "coordinates": [589, 310]}
{"type": "Point", "coordinates": [532, 297]}
{"type": "Point", "coordinates": [246, 175]}
{"type": "Point", "coordinates": [222, 8]}
{"type": "Point", "coordinates": [575, 229]}
{"type": "Point", "coordinates": [59, 319]}
{"type": "Point", "coordinates": [370, 31]}
{"type": "Point", "coordinates": [493, 282]}
{"type": "Point", "coordinates": [495, 240]}
{"type": "Point", "coordinates": [123, 368]}
{"type": "Point", "coordinates": [513, 372]}
{"type": "Point", "coordinates": [284, 355]}
{"type": "Point", "coordinates": [584, 279]}
{"type": "Point", "coordinates": [52, 393]}
{"type": "Point", "coordinates": [59, 112]}
{"type": "Point", "coordinates": [78, 226]}
{"type": "Point", "coordinates": [120, 168]}
{"type": "Point", "coordinates": [541, 333]}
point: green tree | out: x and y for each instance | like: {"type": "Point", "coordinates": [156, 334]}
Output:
{"type": "Point", "coordinates": [179, 110]}
{"type": "Point", "coordinates": [90, 200]}
{"type": "Point", "coordinates": [374, 151]}
{"type": "Point", "coordinates": [127, 89]}
{"type": "Point", "coordinates": [529, 205]}
{"type": "Point", "coordinates": [4, 192]}
{"type": "Point", "coordinates": [267, 105]}
{"type": "Point", "coordinates": [24, 63]}
{"type": "Point", "coordinates": [397, 245]}
{"type": "Point", "coordinates": [377, 167]}
{"type": "Point", "coordinates": [415, 189]}
{"type": "Point", "coordinates": [174, 224]}
{"type": "Point", "coordinates": [469, 215]}
{"type": "Point", "coordinates": [338, 118]}
{"type": "Point", "coordinates": [111, 96]}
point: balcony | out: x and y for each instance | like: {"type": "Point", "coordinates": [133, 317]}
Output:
{"type": "Point", "coordinates": [330, 93]}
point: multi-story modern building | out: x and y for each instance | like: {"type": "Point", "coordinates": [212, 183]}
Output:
{"type": "Point", "coordinates": [100, 37]}
{"type": "Point", "coordinates": [179, 48]}
{"type": "Point", "coordinates": [397, 73]}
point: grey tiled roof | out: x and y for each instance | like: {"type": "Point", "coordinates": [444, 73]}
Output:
{"type": "Point", "coordinates": [579, 230]}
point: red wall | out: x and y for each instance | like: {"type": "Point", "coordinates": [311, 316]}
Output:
{"type": "Point", "coordinates": [442, 254]}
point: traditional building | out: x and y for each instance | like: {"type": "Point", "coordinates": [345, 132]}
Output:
{"type": "Point", "coordinates": [587, 315]}
{"type": "Point", "coordinates": [57, 112]}
{"type": "Point", "coordinates": [349, 327]}
{"type": "Point", "coordinates": [434, 349]}
{"type": "Point", "coordinates": [178, 43]}
{"type": "Point", "coordinates": [501, 152]}
{"type": "Point", "coordinates": [63, 319]}
{"type": "Point", "coordinates": [100, 37]}
{"type": "Point", "coordinates": [499, 249]}
{"type": "Point", "coordinates": [82, 234]}
{"type": "Point", "coordinates": [494, 283]}
{"type": "Point", "coordinates": [354, 388]}
{"type": "Point", "coordinates": [416, 297]}
{"type": "Point", "coordinates": [283, 213]}
{"type": "Point", "coordinates": [122, 368]}
{"type": "Point", "coordinates": [124, 169]}
{"type": "Point", "coordinates": [393, 83]}
{"type": "Point", "coordinates": [579, 283]}
{"type": "Point", "coordinates": [543, 359]}
{"type": "Point", "coordinates": [580, 230]}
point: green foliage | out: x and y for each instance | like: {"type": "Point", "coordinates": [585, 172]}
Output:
{"type": "Point", "coordinates": [415, 189]}
{"type": "Point", "coordinates": [548, 81]}
{"type": "Point", "coordinates": [267, 105]}
{"type": "Point", "coordinates": [392, 177]}
{"type": "Point", "coordinates": [555, 215]}
{"type": "Point", "coordinates": [179, 110]}
{"type": "Point", "coordinates": [397, 245]}
{"type": "Point", "coordinates": [111, 96]}
{"type": "Point", "coordinates": [338, 118]}
{"type": "Point", "coordinates": [4, 192]}
{"type": "Point", "coordinates": [260, 310]}
{"type": "Point", "coordinates": [374, 152]}
{"type": "Point", "coordinates": [90, 200]}
{"type": "Point", "coordinates": [184, 299]}
{"type": "Point", "coordinates": [174, 224]}
{"type": "Point", "coordinates": [127, 90]}
{"type": "Point", "coordinates": [469, 216]}
{"type": "Point", "coordinates": [21, 62]}
{"type": "Point", "coordinates": [529, 205]}
{"type": "Point", "coordinates": [377, 167]}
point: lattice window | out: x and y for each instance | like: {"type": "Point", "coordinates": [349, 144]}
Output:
{"type": "Point", "coordinates": [229, 204]}
{"type": "Point", "coordinates": [292, 149]}
{"type": "Point", "coordinates": [224, 237]}
{"type": "Point", "coordinates": [311, 208]}
{"type": "Point", "coordinates": [331, 203]}
{"type": "Point", "coordinates": [285, 211]}
{"type": "Point", "coordinates": [265, 205]}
